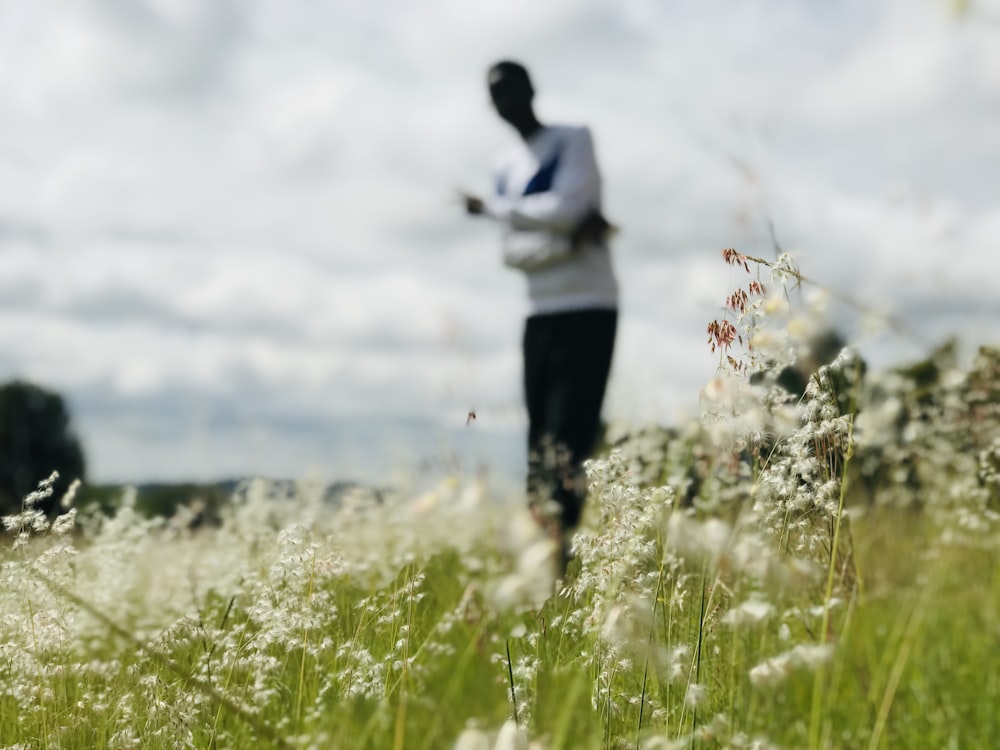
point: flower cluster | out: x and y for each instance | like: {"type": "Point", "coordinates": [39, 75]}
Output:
{"type": "Point", "coordinates": [710, 585]}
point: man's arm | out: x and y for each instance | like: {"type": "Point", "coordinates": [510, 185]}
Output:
{"type": "Point", "coordinates": [531, 250]}
{"type": "Point", "coordinates": [575, 189]}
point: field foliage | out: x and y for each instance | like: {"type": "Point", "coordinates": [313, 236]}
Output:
{"type": "Point", "coordinates": [795, 570]}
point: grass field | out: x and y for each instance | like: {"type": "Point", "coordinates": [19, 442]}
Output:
{"type": "Point", "coordinates": [814, 572]}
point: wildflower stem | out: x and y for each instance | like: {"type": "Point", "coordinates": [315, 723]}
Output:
{"type": "Point", "coordinates": [697, 654]}
{"type": "Point", "coordinates": [733, 663]}
{"type": "Point", "coordinates": [607, 720]}
{"type": "Point", "coordinates": [456, 682]}
{"type": "Point", "coordinates": [645, 667]}
{"type": "Point", "coordinates": [668, 631]}
{"type": "Point", "coordinates": [837, 669]}
{"type": "Point", "coordinates": [399, 736]}
{"type": "Point", "coordinates": [566, 719]}
{"type": "Point", "coordinates": [510, 676]}
{"type": "Point", "coordinates": [305, 644]}
{"type": "Point", "coordinates": [902, 657]}
{"type": "Point", "coordinates": [642, 698]}
{"type": "Point", "coordinates": [41, 679]}
{"type": "Point", "coordinates": [817, 702]}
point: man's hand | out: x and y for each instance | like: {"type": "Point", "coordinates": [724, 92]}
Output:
{"type": "Point", "coordinates": [593, 227]}
{"type": "Point", "coordinates": [474, 205]}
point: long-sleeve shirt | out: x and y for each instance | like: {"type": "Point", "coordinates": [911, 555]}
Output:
{"type": "Point", "coordinates": [544, 186]}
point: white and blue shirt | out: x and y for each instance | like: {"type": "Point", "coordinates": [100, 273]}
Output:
{"type": "Point", "coordinates": [544, 186]}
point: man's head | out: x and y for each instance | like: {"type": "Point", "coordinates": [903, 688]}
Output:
{"type": "Point", "coordinates": [512, 94]}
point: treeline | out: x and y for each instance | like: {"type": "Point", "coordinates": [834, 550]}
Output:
{"type": "Point", "coordinates": [37, 439]}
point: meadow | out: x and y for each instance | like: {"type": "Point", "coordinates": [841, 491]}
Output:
{"type": "Point", "coordinates": [794, 570]}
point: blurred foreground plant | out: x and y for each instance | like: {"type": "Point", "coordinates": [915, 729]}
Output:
{"type": "Point", "coordinates": [718, 596]}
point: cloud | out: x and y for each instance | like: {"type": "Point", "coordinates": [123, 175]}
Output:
{"type": "Point", "coordinates": [228, 230]}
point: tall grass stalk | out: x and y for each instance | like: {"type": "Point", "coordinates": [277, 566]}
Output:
{"type": "Point", "coordinates": [41, 677]}
{"type": "Point", "coordinates": [899, 665]}
{"type": "Point", "coordinates": [818, 700]}
{"type": "Point", "coordinates": [510, 677]}
{"type": "Point", "coordinates": [300, 693]}
{"type": "Point", "coordinates": [247, 716]}
{"type": "Point", "coordinates": [841, 462]}
{"type": "Point", "coordinates": [697, 653]}
{"type": "Point", "coordinates": [649, 644]}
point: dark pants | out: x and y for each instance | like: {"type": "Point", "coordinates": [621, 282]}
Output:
{"type": "Point", "coordinates": [567, 358]}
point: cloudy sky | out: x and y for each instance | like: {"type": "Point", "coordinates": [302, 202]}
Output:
{"type": "Point", "coordinates": [228, 232]}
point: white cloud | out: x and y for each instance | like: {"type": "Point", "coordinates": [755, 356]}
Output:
{"type": "Point", "coordinates": [245, 209]}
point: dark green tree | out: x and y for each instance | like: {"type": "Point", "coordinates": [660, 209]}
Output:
{"type": "Point", "coordinates": [35, 440]}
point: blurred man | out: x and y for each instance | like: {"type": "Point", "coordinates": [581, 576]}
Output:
{"type": "Point", "coordinates": [547, 202]}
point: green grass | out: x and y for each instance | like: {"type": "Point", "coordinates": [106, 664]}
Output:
{"type": "Point", "coordinates": [765, 615]}
{"type": "Point", "coordinates": [371, 664]}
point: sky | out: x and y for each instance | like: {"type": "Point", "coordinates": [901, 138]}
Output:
{"type": "Point", "coordinates": [229, 235]}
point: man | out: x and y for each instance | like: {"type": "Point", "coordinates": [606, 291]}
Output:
{"type": "Point", "coordinates": [548, 204]}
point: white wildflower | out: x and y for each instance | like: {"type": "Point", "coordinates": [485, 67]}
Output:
{"type": "Point", "coordinates": [777, 669]}
{"type": "Point", "coordinates": [830, 605]}
{"type": "Point", "coordinates": [44, 490]}
{"type": "Point", "coordinates": [731, 410]}
{"type": "Point", "coordinates": [70, 495]}
{"type": "Point", "coordinates": [696, 695]}
{"type": "Point", "coordinates": [750, 611]}
{"type": "Point", "coordinates": [472, 738]}
{"type": "Point", "coordinates": [64, 523]}
{"type": "Point", "coordinates": [511, 737]}
{"type": "Point", "coordinates": [770, 673]}
{"type": "Point", "coordinates": [701, 540]}
{"type": "Point", "coordinates": [532, 581]}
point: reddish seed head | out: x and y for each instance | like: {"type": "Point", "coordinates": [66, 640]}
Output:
{"type": "Point", "coordinates": [721, 334]}
{"type": "Point", "coordinates": [737, 301]}
{"type": "Point", "coordinates": [733, 258]}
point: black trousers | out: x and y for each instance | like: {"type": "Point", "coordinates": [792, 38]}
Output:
{"type": "Point", "coordinates": [567, 358]}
